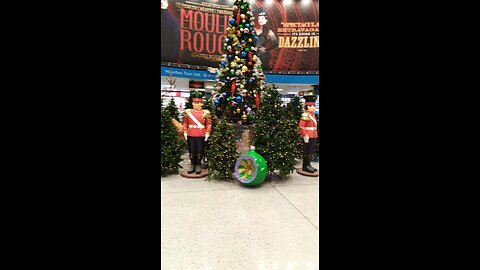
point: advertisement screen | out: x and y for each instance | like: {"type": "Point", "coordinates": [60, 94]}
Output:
{"type": "Point", "coordinates": [194, 32]}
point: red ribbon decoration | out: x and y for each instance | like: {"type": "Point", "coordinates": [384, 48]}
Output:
{"type": "Point", "coordinates": [257, 101]}
{"type": "Point", "coordinates": [234, 85]}
{"type": "Point", "coordinates": [238, 17]}
{"type": "Point", "coordinates": [250, 56]}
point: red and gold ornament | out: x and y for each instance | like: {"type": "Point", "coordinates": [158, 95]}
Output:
{"type": "Point", "coordinates": [257, 100]}
{"type": "Point", "coordinates": [238, 17]}
{"type": "Point", "coordinates": [234, 86]}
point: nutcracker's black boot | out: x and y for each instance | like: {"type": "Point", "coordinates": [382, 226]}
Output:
{"type": "Point", "coordinates": [310, 165]}
{"type": "Point", "coordinates": [192, 165]}
{"type": "Point", "coordinates": [198, 165]}
{"type": "Point", "coordinates": [306, 167]}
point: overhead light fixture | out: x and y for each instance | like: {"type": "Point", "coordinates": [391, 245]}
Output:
{"type": "Point", "coordinates": [305, 2]}
{"type": "Point", "coordinates": [279, 89]}
{"type": "Point", "coordinates": [269, 2]}
{"type": "Point", "coordinates": [287, 2]}
{"type": "Point", "coordinates": [208, 87]}
{"type": "Point", "coordinates": [292, 93]}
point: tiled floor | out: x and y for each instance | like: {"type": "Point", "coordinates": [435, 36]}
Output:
{"type": "Point", "coordinates": [218, 225]}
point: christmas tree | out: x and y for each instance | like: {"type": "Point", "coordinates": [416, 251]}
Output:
{"type": "Point", "coordinates": [295, 110]}
{"type": "Point", "coordinates": [171, 145]}
{"type": "Point", "coordinates": [240, 78]}
{"type": "Point", "coordinates": [275, 131]}
{"type": "Point", "coordinates": [208, 105]}
{"type": "Point", "coordinates": [188, 104]}
{"type": "Point", "coordinates": [222, 151]}
{"type": "Point", "coordinates": [173, 110]}
{"type": "Point", "coordinates": [317, 143]}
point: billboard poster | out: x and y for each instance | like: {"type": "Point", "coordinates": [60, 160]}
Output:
{"type": "Point", "coordinates": [193, 32]}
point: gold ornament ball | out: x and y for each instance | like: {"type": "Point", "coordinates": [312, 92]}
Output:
{"type": "Point", "coordinates": [238, 110]}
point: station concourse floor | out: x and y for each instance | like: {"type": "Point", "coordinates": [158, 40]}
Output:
{"type": "Point", "coordinates": [224, 225]}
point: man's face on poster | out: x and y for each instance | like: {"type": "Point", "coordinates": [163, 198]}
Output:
{"type": "Point", "coordinates": [164, 4]}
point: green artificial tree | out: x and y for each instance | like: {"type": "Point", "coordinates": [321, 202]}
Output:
{"type": "Point", "coordinates": [275, 132]}
{"type": "Point", "coordinates": [171, 145]}
{"type": "Point", "coordinates": [295, 107]}
{"type": "Point", "coordinates": [222, 151]}
{"type": "Point", "coordinates": [295, 110]}
{"type": "Point", "coordinates": [188, 104]}
{"type": "Point", "coordinates": [317, 143]}
{"type": "Point", "coordinates": [208, 105]}
{"type": "Point", "coordinates": [240, 78]}
{"type": "Point", "coordinates": [172, 110]}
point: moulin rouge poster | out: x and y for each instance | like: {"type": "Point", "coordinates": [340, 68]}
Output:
{"type": "Point", "coordinates": [193, 32]}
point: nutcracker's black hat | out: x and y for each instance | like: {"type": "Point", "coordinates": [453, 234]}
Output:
{"type": "Point", "coordinates": [197, 95]}
{"type": "Point", "coordinates": [310, 99]}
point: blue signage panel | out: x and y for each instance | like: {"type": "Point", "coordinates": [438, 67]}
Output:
{"type": "Point", "coordinates": [295, 79]}
{"type": "Point", "coordinates": [187, 73]}
{"type": "Point", "coordinates": [269, 78]}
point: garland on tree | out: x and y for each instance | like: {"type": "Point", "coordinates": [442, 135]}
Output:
{"type": "Point", "coordinates": [171, 145]}
{"type": "Point", "coordinates": [222, 151]}
{"type": "Point", "coordinates": [240, 78]}
{"type": "Point", "coordinates": [275, 133]}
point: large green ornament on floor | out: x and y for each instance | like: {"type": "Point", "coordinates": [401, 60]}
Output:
{"type": "Point", "coordinates": [251, 169]}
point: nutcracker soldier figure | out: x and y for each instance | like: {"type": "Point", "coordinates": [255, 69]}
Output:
{"type": "Point", "coordinates": [308, 130]}
{"type": "Point", "coordinates": [197, 125]}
